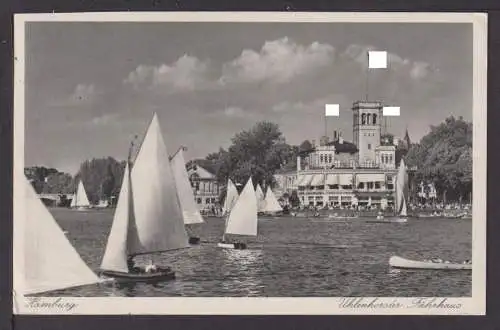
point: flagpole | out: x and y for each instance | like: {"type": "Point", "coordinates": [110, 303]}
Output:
{"type": "Point", "coordinates": [367, 74]}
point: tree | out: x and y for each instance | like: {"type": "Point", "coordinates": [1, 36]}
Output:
{"type": "Point", "coordinates": [444, 157]}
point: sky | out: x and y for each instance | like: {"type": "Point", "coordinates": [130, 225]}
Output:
{"type": "Point", "coordinates": [91, 87]}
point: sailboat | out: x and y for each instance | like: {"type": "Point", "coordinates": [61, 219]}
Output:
{"type": "Point", "coordinates": [401, 212]}
{"type": "Point", "coordinates": [50, 261]}
{"type": "Point", "coordinates": [80, 200]}
{"type": "Point", "coordinates": [271, 204]}
{"type": "Point", "coordinates": [190, 211]}
{"type": "Point", "coordinates": [148, 217]}
{"type": "Point", "coordinates": [242, 219]}
{"type": "Point", "coordinates": [260, 199]}
{"type": "Point", "coordinates": [231, 198]}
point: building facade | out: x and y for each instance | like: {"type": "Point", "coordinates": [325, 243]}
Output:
{"type": "Point", "coordinates": [337, 173]}
{"type": "Point", "coordinates": [205, 187]}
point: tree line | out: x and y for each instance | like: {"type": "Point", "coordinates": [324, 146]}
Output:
{"type": "Point", "coordinates": [443, 157]}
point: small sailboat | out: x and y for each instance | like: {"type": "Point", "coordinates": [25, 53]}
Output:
{"type": "Point", "coordinates": [242, 220]}
{"type": "Point", "coordinates": [271, 204]}
{"type": "Point", "coordinates": [50, 261]}
{"type": "Point", "coordinates": [403, 263]}
{"type": "Point", "coordinates": [190, 211]}
{"type": "Point", "coordinates": [231, 198]}
{"type": "Point", "coordinates": [148, 217]}
{"type": "Point", "coordinates": [260, 199]}
{"type": "Point", "coordinates": [401, 213]}
{"type": "Point", "coordinates": [102, 204]}
{"type": "Point", "coordinates": [80, 200]}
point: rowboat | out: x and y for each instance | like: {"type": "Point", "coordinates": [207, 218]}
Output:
{"type": "Point", "coordinates": [398, 262]}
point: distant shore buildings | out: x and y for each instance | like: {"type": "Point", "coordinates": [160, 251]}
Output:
{"type": "Point", "coordinates": [338, 173]}
{"type": "Point", "coordinates": [205, 187]}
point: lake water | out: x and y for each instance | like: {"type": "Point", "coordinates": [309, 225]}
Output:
{"type": "Point", "coordinates": [292, 257]}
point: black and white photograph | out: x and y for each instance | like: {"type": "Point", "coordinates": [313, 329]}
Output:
{"type": "Point", "coordinates": [295, 163]}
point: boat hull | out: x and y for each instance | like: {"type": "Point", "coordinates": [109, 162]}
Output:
{"type": "Point", "coordinates": [233, 246]}
{"type": "Point", "coordinates": [389, 220]}
{"type": "Point", "coordinates": [402, 263]}
{"type": "Point", "coordinates": [159, 276]}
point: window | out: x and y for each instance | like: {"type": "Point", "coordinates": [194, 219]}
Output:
{"type": "Point", "coordinates": [377, 185]}
{"type": "Point", "coordinates": [390, 158]}
{"type": "Point", "coordinates": [198, 201]}
{"type": "Point", "coordinates": [363, 119]}
{"type": "Point", "coordinates": [321, 158]}
{"type": "Point", "coordinates": [207, 201]}
{"type": "Point", "coordinates": [330, 158]}
{"type": "Point", "coordinates": [369, 146]}
{"type": "Point", "coordinates": [370, 185]}
{"type": "Point", "coordinates": [361, 185]}
{"type": "Point", "coordinates": [374, 119]}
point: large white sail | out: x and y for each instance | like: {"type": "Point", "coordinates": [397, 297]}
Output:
{"type": "Point", "coordinates": [50, 261]}
{"type": "Point", "coordinates": [189, 208]}
{"type": "Point", "coordinates": [261, 204]}
{"type": "Point", "coordinates": [231, 197]}
{"type": "Point", "coordinates": [159, 224]}
{"type": "Point", "coordinates": [271, 203]}
{"type": "Point", "coordinates": [402, 190]}
{"type": "Point", "coordinates": [243, 217]}
{"type": "Point", "coordinates": [115, 255]}
{"type": "Point", "coordinates": [80, 199]}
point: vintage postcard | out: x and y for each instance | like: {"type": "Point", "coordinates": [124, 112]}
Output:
{"type": "Point", "coordinates": [250, 163]}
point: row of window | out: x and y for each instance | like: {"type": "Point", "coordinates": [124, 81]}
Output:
{"type": "Point", "coordinates": [361, 185]}
{"type": "Point", "coordinates": [207, 200]}
{"type": "Point", "coordinates": [386, 158]}
{"type": "Point", "coordinates": [368, 119]}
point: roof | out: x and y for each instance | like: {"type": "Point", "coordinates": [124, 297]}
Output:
{"type": "Point", "coordinates": [345, 146]}
{"type": "Point", "coordinates": [201, 172]}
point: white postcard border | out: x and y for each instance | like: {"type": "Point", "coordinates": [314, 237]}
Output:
{"type": "Point", "coordinates": [475, 305]}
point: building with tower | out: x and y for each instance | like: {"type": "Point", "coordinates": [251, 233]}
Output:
{"type": "Point", "coordinates": [338, 173]}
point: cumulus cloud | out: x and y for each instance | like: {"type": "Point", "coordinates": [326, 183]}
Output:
{"type": "Point", "coordinates": [312, 106]}
{"type": "Point", "coordinates": [416, 70]}
{"type": "Point", "coordinates": [277, 61]}
{"type": "Point", "coordinates": [188, 73]}
{"type": "Point", "coordinates": [232, 112]}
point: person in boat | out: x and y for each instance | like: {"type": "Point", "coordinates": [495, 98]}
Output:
{"type": "Point", "coordinates": [131, 265]}
{"type": "Point", "coordinates": [151, 268]}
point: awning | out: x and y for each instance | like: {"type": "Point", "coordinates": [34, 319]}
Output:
{"type": "Point", "coordinates": [305, 180]}
{"type": "Point", "coordinates": [332, 179]}
{"type": "Point", "coordinates": [370, 177]}
{"type": "Point", "coordinates": [345, 179]}
{"type": "Point", "coordinates": [318, 180]}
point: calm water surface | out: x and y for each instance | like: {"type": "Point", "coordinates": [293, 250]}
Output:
{"type": "Point", "coordinates": [291, 257]}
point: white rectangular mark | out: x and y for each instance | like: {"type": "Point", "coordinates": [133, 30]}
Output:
{"type": "Point", "coordinates": [332, 110]}
{"type": "Point", "coordinates": [377, 60]}
{"type": "Point", "coordinates": [391, 111]}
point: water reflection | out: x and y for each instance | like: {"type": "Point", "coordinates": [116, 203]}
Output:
{"type": "Point", "coordinates": [241, 269]}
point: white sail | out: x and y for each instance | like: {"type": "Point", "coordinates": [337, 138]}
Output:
{"type": "Point", "coordinates": [189, 208]}
{"type": "Point", "coordinates": [402, 190]}
{"type": "Point", "coordinates": [50, 261]}
{"type": "Point", "coordinates": [260, 199]}
{"type": "Point", "coordinates": [80, 199]}
{"type": "Point", "coordinates": [231, 197]}
{"type": "Point", "coordinates": [115, 255]}
{"type": "Point", "coordinates": [271, 203]}
{"type": "Point", "coordinates": [159, 224]}
{"type": "Point", "coordinates": [243, 217]}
